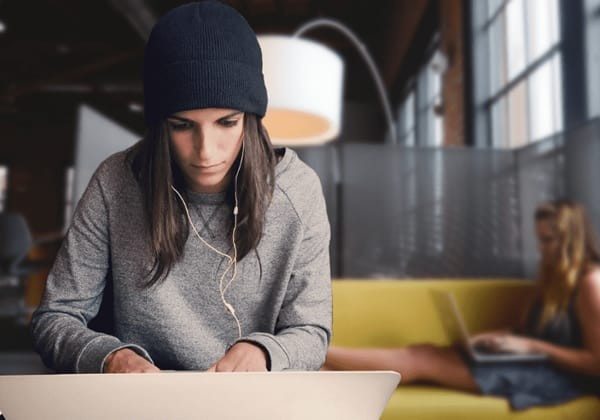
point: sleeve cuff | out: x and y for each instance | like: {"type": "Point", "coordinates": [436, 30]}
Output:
{"type": "Point", "coordinates": [278, 357]}
{"type": "Point", "coordinates": [93, 355]}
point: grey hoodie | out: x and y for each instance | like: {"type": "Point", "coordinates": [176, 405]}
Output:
{"type": "Point", "coordinates": [281, 295]}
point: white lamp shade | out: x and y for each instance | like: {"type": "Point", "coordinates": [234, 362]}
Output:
{"type": "Point", "coordinates": [304, 83]}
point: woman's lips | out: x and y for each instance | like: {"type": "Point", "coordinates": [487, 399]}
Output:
{"type": "Point", "coordinates": [207, 168]}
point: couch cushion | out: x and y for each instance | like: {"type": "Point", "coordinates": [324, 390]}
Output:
{"type": "Point", "coordinates": [388, 313]}
{"type": "Point", "coordinates": [428, 403]}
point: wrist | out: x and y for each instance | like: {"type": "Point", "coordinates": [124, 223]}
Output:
{"type": "Point", "coordinates": [113, 357]}
{"type": "Point", "coordinates": [108, 360]}
{"type": "Point", "coordinates": [259, 349]}
{"type": "Point", "coordinates": [536, 346]}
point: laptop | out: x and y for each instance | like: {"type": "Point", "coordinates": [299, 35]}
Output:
{"type": "Point", "coordinates": [456, 328]}
{"type": "Point", "coordinates": [187, 395]}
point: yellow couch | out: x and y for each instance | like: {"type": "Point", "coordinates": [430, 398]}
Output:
{"type": "Point", "coordinates": [387, 313]}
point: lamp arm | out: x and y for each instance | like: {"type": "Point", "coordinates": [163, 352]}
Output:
{"type": "Point", "coordinates": [366, 56]}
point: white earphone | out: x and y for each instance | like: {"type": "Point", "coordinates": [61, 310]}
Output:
{"type": "Point", "coordinates": [232, 261]}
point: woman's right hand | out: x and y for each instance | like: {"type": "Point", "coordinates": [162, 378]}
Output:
{"type": "Point", "coordinates": [127, 361]}
{"type": "Point", "coordinates": [489, 340]}
{"type": "Point", "coordinates": [505, 342]}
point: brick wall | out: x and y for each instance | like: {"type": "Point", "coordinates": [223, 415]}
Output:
{"type": "Point", "coordinates": [453, 88]}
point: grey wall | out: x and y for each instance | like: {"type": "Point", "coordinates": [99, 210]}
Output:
{"type": "Point", "coordinates": [582, 168]}
{"type": "Point", "coordinates": [401, 211]}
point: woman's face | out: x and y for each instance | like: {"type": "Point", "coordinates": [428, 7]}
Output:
{"type": "Point", "coordinates": [548, 240]}
{"type": "Point", "coordinates": [205, 143]}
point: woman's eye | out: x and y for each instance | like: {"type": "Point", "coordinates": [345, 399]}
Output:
{"type": "Point", "coordinates": [178, 126]}
{"type": "Point", "coordinates": [228, 123]}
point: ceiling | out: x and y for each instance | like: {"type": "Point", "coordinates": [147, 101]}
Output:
{"type": "Point", "coordinates": [56, 54]}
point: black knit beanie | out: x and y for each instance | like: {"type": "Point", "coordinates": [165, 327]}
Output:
{"type": "Point", "coordinates": [202, 55]}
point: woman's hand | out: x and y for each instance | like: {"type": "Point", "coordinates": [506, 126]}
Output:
{"type": "Point", "coordinates": [504, 342]}
{"type": "Point", "coordinates": [242, 357]}
{"type": "Point", "coordinates": [127, 361]}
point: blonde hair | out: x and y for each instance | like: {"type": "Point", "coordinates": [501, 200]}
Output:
{"type": "Point", "coordinates": [577, 249]}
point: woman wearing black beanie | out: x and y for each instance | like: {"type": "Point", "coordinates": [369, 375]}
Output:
{"type": "Point", "coordinates": [215, 245]}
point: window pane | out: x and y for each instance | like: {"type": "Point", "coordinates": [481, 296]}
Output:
{"type": "Point", "coordinates": [3, 185]}
{"type": "Point", "coordinates": [542, 26]}
{"type": "Point", "coordinates": [433, 83]}
{"type": "Point", "coordinates": [430, 77]}
{"type": "Point", "coordinates": [592, 57]}
{"type": "Point", "coordinates": [517, 116]}
{"type": "Point", "coordinates": [541, 107]}
{"type": "Point", "coordinates": [409, 112]}
{"type": "Point", "coordinates": [493, 6]}
{"type": "Point", "coordinates": [497, 55]}
{"type": "Point", "coordinates": [557, 84]}
{"type": "Point", "coordinates": [438, 129]}
{"type": "Point", "coordinates": [515, 37]}
{"type": "Point", "coordinates": [499, 124]}
{"type": "Point", "coordinates": [407, 120]}
{"type": "Point", "coordinates": [430, 129]}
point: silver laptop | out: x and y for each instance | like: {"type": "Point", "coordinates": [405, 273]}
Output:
{"type": "Point", "coordinates": [455, 326]}
{"type": "Point", "coordinates": [197, 395]}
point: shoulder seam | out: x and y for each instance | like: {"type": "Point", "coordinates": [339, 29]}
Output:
{"type": "Point", "coordinates": [290, 201]}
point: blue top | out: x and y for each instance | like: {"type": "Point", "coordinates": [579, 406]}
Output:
{"type": "Point", "coordinates": [527, 384]}
{"type": "Point", "coordinates": [562, 330]}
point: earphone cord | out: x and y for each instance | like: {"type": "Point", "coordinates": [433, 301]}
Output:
{"type": "Point", "coordinates": [232, 261]}
{"type": "Point", "coordinates": [234, 275]}
{"type": "Point", "coordinates": [235, 214]}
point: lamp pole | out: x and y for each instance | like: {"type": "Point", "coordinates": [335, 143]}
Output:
{"type": "Point", "coordinates": [385, 102]}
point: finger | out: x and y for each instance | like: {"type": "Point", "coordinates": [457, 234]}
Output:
{"type": "Point", "coordinates": [226, 364]}
{"type": "Point", "coordinates": [225, 367]}
{"type": "Point", "coordinates": [477, 340]}
{"type": "Point", "coordinates": [501, 343]}
{"type": "Point", "coordinates": [213, 368]}
{"type": "Point", "coordinates": [142, 369]}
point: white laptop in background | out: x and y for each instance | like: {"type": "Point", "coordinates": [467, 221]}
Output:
{"type": "Point", "coordinates": [289, 395]}
{"type": "Point", "coordinates": [455, 326]}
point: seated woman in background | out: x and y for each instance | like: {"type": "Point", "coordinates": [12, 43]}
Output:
{"type": "Point", "coordinates": [562, 322]}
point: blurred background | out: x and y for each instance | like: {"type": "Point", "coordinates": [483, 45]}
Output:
{"type": "Point", "coordinates": [495, 104]}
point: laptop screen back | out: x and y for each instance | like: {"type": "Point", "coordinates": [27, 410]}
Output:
{"type": "Point", "coordinates": [188, 395]}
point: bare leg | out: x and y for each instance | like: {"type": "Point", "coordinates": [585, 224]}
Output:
{"type": "Point", "coordinates": [423, 362]}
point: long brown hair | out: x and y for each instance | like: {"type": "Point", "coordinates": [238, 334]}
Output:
{"type": "Point", "coordinates": [156, 170]}
{"type": "Point", "coordinates": [577, 250]}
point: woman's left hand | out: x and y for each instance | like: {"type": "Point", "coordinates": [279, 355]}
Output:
{"type": "Point", "coordinates": [242, 357]}
{"type": "Point", "coordinates": [503, 342]}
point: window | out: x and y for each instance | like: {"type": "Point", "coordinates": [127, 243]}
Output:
{"type": "Point", "coordinates": [517, 70]}
{"type": "Point", "coordinates": [419, 121]}
{"type": "Point", "coordinates": [429, 93]}
{"type": "Point", "coordinates": [592, 56]}
{"type": "Point", "coordinates": [3, 186]}
{"type": "Point", "coordinates": [407, 120]}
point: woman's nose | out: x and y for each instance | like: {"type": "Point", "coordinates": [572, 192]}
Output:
{"type": "Point", "coordinates": [202, 145]}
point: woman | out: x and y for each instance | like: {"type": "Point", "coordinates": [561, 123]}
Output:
{"type": "Point", "coordinates": [563, 322]}
{"type": "Point", "coordinates": [215, 245]}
